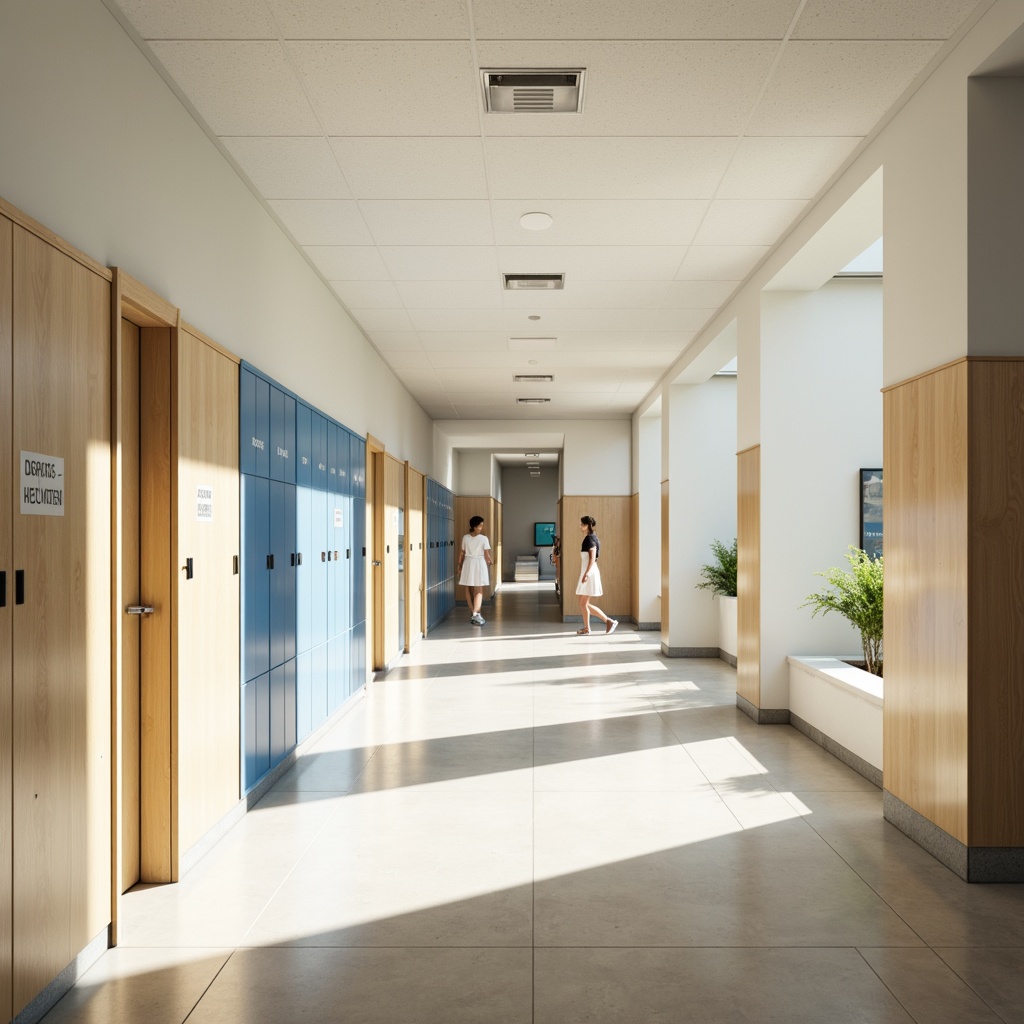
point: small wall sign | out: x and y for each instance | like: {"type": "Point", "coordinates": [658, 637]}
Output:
{"type": "Point", "coordinates": [204, 503]}
{"type": "Point", "coordinates": [42, 485]}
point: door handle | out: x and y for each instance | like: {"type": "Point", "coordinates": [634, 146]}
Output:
{"type": "Point", "coordinates": [189, 568]}
{"type": "Point", "coordinates": [19, 586]}
{"type": "Point", "coordinates": [3, 589]}
{"type": "Point", "coordinates": [139, 609]}
{"type": "Point", "coordinates": [375, 562]}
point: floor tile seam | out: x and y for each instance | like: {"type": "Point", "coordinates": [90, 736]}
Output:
{"type": "Point", "coordinates": [209, 985]}
{"type": "Point", "coordinates": [956, 974]}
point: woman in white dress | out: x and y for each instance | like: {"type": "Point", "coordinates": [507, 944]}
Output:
{"type": "Point", "coordinates": [590, 579]}
{"type": "Point", "coordinates": [474, 559]}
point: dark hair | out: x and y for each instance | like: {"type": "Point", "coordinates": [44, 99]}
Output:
{"type": "Point", "coordinates": [475, 522]}
{"type": "Point", "coordinates": [589, 522]}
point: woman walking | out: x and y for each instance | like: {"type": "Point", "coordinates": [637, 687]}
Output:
{"type": "Point", "coordinates": [590, 579]}
{"type": "Point", "coordinates": [474, 559]}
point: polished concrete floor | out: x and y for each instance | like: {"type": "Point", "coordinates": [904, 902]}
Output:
{"type": "Point", "coordinates": [522, 825]}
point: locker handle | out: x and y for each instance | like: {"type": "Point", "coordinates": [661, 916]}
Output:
{"type": "Point", "coordinates": [189, 568]}
{"type": "Point", "coordinates": [270, 561]}
{"type": "Point", "coordinates": [336, 556]}
{"type": "Point", "coordinates": [294, 563]}
{"type": "Point", "coordinates": [3, 589]}
{"type": "Point", "coordinates": [348, 552]}
{"type": "Point", "coordinates": [323, 556]}
{"type": "Point", "coordinates": [298, 558]}
{"type": "Point", "coordinates": [234, 564]}
{"type": "Point", "coordinates": [19, 586]}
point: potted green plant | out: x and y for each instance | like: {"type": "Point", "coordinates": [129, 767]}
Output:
{"type": "Point", "coordinates": [857, 596]}
{"type": "Point", "coordinates": [719, 577]}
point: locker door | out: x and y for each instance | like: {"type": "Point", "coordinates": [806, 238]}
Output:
{"type": "Point", "coordinates": [249, 775]}
{"type": "Point", "coordinates": [282, 572]}
{"type": "Point", "coordinates": [303, 695]}
{"type": "Point", "coordinates": [278, 713]}
{"type": "Point", "coordinates": [333, 551]}
{"type": "Point", "coordinates": [255, 586]}
{"type": "Point", "coordinates": [247, 420]}
{"type": "Point", "coordinates": [303, 445]}
{"type": "Point", "coordinates": [319, 574]}
{"type": "Point", "coordinates": [262, 687]}
{"type": "Point", "coordinates": [318, 699]}
{"type": "Point", "coordinates": [282, 436]}
{"type": "Point", "coordinates": [260, 440]}
{"type": "Point", "coordinates": [304, 568]}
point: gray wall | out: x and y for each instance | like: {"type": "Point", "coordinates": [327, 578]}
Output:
{"type": "Point", "coordinates": [527, 500]}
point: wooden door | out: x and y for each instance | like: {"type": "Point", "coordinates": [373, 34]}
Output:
{"type": "Point", "coordinates": [375, 549]}
{"type": "Point", "coordinates": [6, 615]}
{"type": "Point", "coordinates": [62, 619]}
{"type": "Point", "coordinates": [207, 682]}
{"type": "Point", "coordinates": [394, 505]}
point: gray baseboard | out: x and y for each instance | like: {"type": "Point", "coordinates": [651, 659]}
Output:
{"type": "Point", "coordinates": [971, 863]}
{"type": "Point", "coordinates": [647, 627]}
{"type": "Point", "coordinates": [729, 659]}
{"type": "Point", "coordinates": [689, 652]}
{"type": "Point", "coordinates": [837, 750]}
{"type": "Point", "coordinates": [65, 981]}
{"type": "Point", "coordinates": [763, 716]}
{"type": "Point", "coordinates": [197, 852]}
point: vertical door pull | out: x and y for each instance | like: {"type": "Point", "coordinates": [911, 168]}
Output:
{"type": "Point", "coordinates": [189, 568]}
{"type": "Point", "coordinates": [348, 552]}
{"type": "Point", "coordinates": [270, 561]}
{"type": "Point", "coordinates": [3, 589]}
{"type": "Point", "coordinates": [234, 564]}
{"type": "Point", "coordinates": [19, 586]}
{"type": "Point", "coordinates": [293, 559]}
{"type": "Point", "coordinates": [298, 558]}
{"type": "Point", "coordinates": [323, 556]}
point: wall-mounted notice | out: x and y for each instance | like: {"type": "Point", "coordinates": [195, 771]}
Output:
{"type": "Point", "coordinates": [204, 503]}
{"type": "Point", "coordinates": [42, 485]}
{"type": "Point", "coordinates": [339, 519]}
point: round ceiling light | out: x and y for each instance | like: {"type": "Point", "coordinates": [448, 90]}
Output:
{"type": "Point", "coordinates": [536, 221]}
{"type": "Point", "coordinates": [533, 317]}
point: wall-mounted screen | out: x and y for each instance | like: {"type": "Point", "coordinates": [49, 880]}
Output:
{"type": "Point", "coordinates": [543, 535]}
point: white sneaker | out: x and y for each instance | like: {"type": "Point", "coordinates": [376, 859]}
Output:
{"type": "Point", "coordinates": [477, 620]}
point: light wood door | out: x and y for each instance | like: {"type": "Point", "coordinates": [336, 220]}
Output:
{"type": "Point", "coordinates": [394, 506]}
{"type": "Point", "coordinates": [375, 549]}
{"type": "Point", "coordinates": [6, 615]}
{"type": "Point", "coordinates": [62, 626]}
{"type": "Point", "coordinates": [207, 690]}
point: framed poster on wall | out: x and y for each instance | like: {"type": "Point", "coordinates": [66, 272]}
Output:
{"type": "Point", "coordinates": [543, 535]}
{"type": "Point", "coordinates": [871, 511]}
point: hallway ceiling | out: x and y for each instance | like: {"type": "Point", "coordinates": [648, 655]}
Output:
{"type": "Point", "coordinates": [707, 127]}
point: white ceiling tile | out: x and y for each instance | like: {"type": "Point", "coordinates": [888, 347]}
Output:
{"type": "Point", "coordinates": [641, 88]}
{"type": "Point", "coordinates": [720, 262]}
{"type": "Point", "coordinates": [748, 221]}
{"type": "Point", "coordinates": [380, 87]}
{"type": "Point", "coordinates": [606, 168]}
{"type": "Point", "coordinates": [289, 168]}
{"type": "Point", "coordinates": [460, 342]}
{"type": "Point", "coordinates": [323, 221]}
{"type": "Point", "coordinates": [784, 168]}
{"type": "Point", "coordinates": [409, 360]}
{"type": "Point", "coordinates": [199, 19]}
{"type": "Point", "coordinates": [240, 88]}
{"type": "Point", "coordinates": [837, 88]}
{"type": "Point", "coordinates": [672, 341]}
{"type": "Point", "coordinates": [441, 294]}
{"type": "Point", "coordinates": [429, 222]}
{"type": "Point", "coordinates": [368, 294]}
{"type": "Point", "coordinates": [627, 295]}
{"type": "Point", "coordinates": [396, 341]}
{"type": "Point", "coordinates": [446, 359]}
{"type": "Point", "coordinates": [643, 319]}
{"type": "Point", "coordinates": [653, 19]}
{"type": "Point", "coordinates": [882, 19]}
{"type": "Point", "coordinates": [370, 19]}
{"type": "Point", "coordinates": [441, 263]}
{"type": "Point", "coordinates": [600, 222]}
{"type": "Point", "coordinates": [383, 319]}
{"type": "Point", "coordinates": [457, 319]}
{"type": "Point", "coordinates": [413, 168]}
{"type": "Point", "coordinates": [595, 262]}
{"type": "Point", "coordinates": [348, 262]}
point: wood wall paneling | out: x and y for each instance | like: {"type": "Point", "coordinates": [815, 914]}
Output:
{"type": "Point", "coordinates": [497, 539]}
{"type": "Point", "coordinates": [394, 499]}
{"type": "Point", "coordinates": [614, 529]}
{"type": "Point", "coordinates": [7, 469]}
{"type": "Point", "coordinates": [748, 589]}
{"type": "Point", "coordinates": [414, 541]}
{"type": "Point", "coordinates": [467, 506]}
{"type": "Point", "coordinates": [61, 650]}
{"type": "Point", "coordinates": [926, 596]}
{"type": "Point", "coordinates": [634, 556]}
{"type": "Point", "coordinates": [666, 575]}
{"type": "Point", "coordinates": [207, 736]}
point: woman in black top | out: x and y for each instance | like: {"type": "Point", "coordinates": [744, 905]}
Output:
{"type": "Point", "coordinates": [590, 578]}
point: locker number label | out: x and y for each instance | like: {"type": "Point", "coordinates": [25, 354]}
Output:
{"type": "Point", "coordinates": [339, 520]}
{"type": "Point", "coordinates": [42, 485]}
{"type": "Point", "coordinates": [204, 503]}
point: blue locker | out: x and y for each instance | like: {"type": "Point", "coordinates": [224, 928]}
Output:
{"type": "Point", "coordinates": [303, 445]}
{"type": "Point", "coordinates": [320, 574]}
{"type": "Point", "coordinates": [282, 572]}
{"type": "Point", "coordinates": [282, 436]}
{"type": "Point", "coordinates": [260, 439]}
{"type": "Point", "coordinates": [247, 420]}
{"type": "Point", "coordinates": [303, 695]}
{"type": "Point", "coordinates": [262, 685]}
{"type": "Point", "coordinates": [337, 672]}
{"type": "Point", "coordinates": [341, 566]}
{"type": "Point", "coordinates": [255, 583]}
{"type": "Point", "coordinates": [333, 431]}
{"type": "Point", "coordinates": [290, 704]}
{"type": "Point", "coordinates": [318, 703]}
{"type": "Point", "coordinates": [278, 713]}
{"type": "Point", "coordinates": [321, 471]}
{"type": "Point", "coordinates": [305, 565]}
{"type": "Point", "coordinates": [357, 468]}
{"type": "Point", "coordinates": [249, 775]}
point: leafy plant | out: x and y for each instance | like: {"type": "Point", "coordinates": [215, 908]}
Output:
{"type": "Point", "coordinates": [720, 576]}
{"type": "Point", "coordinates": [857, 596]}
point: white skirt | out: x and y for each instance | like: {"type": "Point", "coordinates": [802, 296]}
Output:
{"type": "Point", "coordinates": [474, 572]}
{"type": "Point", "coordinates": [592, 588]}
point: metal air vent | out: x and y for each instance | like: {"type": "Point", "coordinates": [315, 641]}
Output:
{"type": "Point", "coordinates": [532, 401]}
{"type": "Point", "coordinates": [533, 378]}
{"type": "Point", "coordinates": [534, 282]}
{"type": "Point", "coordinates": [533, 91]}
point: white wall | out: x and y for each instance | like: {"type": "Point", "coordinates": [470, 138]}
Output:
{"type": "Point", "coordinates": [474, 476]}
{"type": "Point", "coordinates": [699, 461]}
{"type": "Point", "coordinates": [528, 500]}
{"type": "Point", "coordinates": [98, 149]}
{"type": "Point", "coordinates": [647, 469]}
{"type": "Point", "coordinates": [821, 421]}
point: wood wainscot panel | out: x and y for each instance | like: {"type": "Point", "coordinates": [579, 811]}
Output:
{"type": "Point", "coordinates": [614, 529]}
{"type": "Point", "coordinates": [61, 405]}
{"type": "Point", "coordinates": [207, 483]}
{"type": "Point", "coordinates": [748, 589]}
{"type": "Point", "coordinates": [467, 506]}
{"type": "Point", "coordinates": [394, 499]}
{"type": "Point", "coordinates": [414, 547]}
{"type": "Point", "coordinates": [666, 578]}
{"type": "Point", "coordinates": [926, 589]}
{"type": "Point", "coordinates": [634, 556]}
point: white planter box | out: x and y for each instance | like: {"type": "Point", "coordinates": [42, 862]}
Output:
{"type": "Point", "coordinates": [727, 626]}
{"type": "Point", "coordinates": [843, 707]}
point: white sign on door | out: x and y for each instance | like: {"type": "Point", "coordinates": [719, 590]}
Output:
{"type": "Point", "coordinates": [338, 518]}
{"type": "Point", "coordinates": [204, 503]}
{"type": "Point", "coordinates": [42, 485]}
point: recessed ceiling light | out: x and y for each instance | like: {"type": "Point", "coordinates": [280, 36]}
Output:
{"type": "Point", "coordinates": [522, 342]}
{"type": "Point", "coordinates": [532, 455]}
{"type": "Point", "coordinates": [536, 221]}
{"type": "Point", "coordinates": [532, 378]}
{"type": "Point", "coordinates": [533, 282]}
{"type": "Point", "coordinates": [532, 401]}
